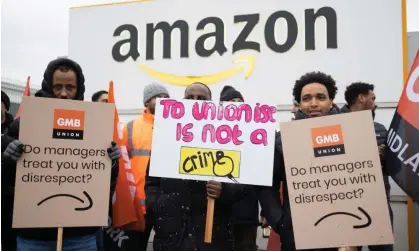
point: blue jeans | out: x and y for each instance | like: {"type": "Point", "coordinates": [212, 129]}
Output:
{"type": "Point", "coordinates": [83, 243]}
{"type": "Point", "coordinates": [99, 240]}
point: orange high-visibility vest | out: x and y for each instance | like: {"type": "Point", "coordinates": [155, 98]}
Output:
{"type": "Point", "coordinates": [138, 135]}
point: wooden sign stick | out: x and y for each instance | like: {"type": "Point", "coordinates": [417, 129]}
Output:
{"type": "Point", "coordinates": [60, 239]}
{"type": "Point", "coordinates": [347, 249]}
{"type": "Point", "coordinates": [210, 220]}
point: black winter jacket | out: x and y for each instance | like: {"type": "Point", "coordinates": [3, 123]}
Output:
{"type": "Point", "coordinates": [246, 211]}
{"type": "Point", "coordinates": [8, 235]}
{"type": "Point", "coordinates": [178, 209]}
{"type": "Point", "coordinates": [279, 216]}
{"type": "Point", "coordinates": [381, 136]}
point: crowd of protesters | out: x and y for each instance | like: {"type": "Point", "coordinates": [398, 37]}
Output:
{"type": "Point", "coordinates": [176, 208]}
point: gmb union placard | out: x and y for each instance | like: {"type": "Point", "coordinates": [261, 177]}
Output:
{"type": "Point", "coordinates": [63, 176]}
{"type": "Point", "coordinates": [335, 182]}
{"type": "Point", "coordinates": [205, 140]}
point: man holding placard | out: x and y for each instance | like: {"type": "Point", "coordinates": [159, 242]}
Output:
{"type": "Point", "coordinates": [315, 93]}
{"type": "Point", "coordinates": [333, 178]}
{"type": "Point", "coordinates": [63, 79]}
{"type": "Point", "coordinates": [179, 206]}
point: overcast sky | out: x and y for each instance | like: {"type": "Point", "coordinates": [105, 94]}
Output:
{"type": "Point", "coordinates": [35, 31]}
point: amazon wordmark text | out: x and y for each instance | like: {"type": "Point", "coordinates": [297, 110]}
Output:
{"type": "Point", "coordinates": [249, 23]}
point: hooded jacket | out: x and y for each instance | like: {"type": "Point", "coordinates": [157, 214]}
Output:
{"type": "Point", "coordinates": [50, 234]}
{"type": "Point", "coordinates": [46, 90]}
{"type": "Point", "coordinates": [279, 216]}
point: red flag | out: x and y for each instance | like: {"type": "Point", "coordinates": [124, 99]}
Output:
{"type": "Point", "coordinates": [27, 92]}
{"type": "Point", "coordinates": [125, 214]}
{"type": "Point", "coordinates": [402, 155]}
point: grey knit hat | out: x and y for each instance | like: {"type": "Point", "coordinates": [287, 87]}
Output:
{"type": "Point", "coordinates": [152, 90]}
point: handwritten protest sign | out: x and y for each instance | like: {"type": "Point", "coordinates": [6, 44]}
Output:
{"type": "Point", "coordinates": [205, 140]}
{"type": "Point", "coordinates": [63, 176]}
{"type": "Point", "coordinates": [335, 182]}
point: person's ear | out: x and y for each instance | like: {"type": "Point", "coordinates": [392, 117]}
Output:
{"type": "Point", "coordinates": [361, 98]}
{"type": "Point", "coordinates": [331, 104]}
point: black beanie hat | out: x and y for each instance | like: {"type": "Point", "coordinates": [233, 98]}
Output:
{"type": "Point", "coordinates": [228, 93]}
{"type": "Point", "coordinates": [5, 100]}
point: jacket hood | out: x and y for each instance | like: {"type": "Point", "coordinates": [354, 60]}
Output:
{"type": "Point", "coordinates": [300, 115]}
{"type": "Point", "coordinates": [46, 91]}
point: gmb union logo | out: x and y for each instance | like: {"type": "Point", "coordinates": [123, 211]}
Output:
{"type": "Point", "coordinates": [68, 124]}
{"type": "Point", "coordinates": [207, 79]}
{"type": "Point", "coordinates": [209, 162]}
{"type": "Point", "coordinates": [327, 141]}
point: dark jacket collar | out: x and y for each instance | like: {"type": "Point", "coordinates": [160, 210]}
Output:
{"type": "Point", "coordinates": [300, 115]}
{"type": "Point", "coordinates": [346, 109]}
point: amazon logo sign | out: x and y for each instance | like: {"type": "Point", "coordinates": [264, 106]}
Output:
{"type": "Point", "coordinates": [211, 32]}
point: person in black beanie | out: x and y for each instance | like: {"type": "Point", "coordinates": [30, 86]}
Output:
{"type": "Point", "coordinates": [246, 211]}
{"type": "Point", "coordinates": [230, 94]}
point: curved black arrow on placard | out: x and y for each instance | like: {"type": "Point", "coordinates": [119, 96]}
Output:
{"type": "Point", "coordinates": [353, 215]}
{"type": "Point", "coordinates": [71, 196]}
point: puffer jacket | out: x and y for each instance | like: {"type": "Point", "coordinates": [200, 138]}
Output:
{"type": "Point", "coordinates": [279, 216]}
{"type": "Point", "coordinates": [178, 209]}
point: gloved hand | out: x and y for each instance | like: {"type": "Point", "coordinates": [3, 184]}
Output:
{"type": "Point", "coordinates": [14, 150]}
{"type": "Point", "coordinates": [113, 152]}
